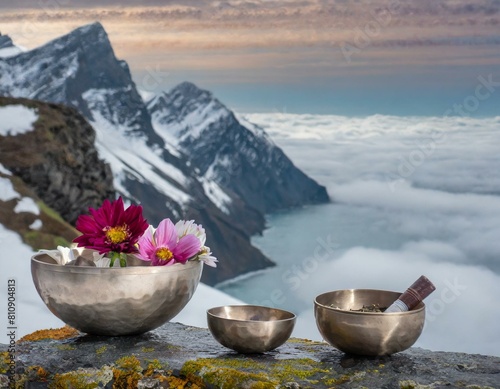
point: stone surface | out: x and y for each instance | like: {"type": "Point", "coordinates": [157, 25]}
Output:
{"type": "Point", "coordinates": [179, 356]}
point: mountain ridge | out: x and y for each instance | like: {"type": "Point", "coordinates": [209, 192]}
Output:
{"type": "Point", "coordinates": [228, 152]}
{"type": "Point", "coordinates": [170, 174]}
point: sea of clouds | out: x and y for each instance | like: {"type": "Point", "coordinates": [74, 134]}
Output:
{"type": "Point", "coordinates": [436, 178]}
{"type": "Point", "coordinates": [432, 182]}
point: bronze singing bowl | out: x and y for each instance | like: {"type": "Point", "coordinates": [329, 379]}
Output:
{"type": "Point", "coordinates": [366, 333]}
{"type": "Point", "coordinates": [114, 301]}
{"type": "Point", "coordinates": [250, 328]}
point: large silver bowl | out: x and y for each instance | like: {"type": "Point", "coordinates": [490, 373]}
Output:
{"type": "Point", "coordinates": [366, 333]}
{"type": "Point", "coordinates": [250, 328]}
{"type": "Point", "coordinates": [114, 301]}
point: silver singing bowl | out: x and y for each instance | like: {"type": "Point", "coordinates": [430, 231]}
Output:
{"type": "Point", "coordinates": [366, 333]}
{"type": "Point", "coordinates": [250, 328]}
{"type": "Point", "coordinates": [114, 301]}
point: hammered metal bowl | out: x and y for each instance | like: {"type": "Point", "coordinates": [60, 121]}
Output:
{"type": "Point", "coordinates": [250, 328]}
{"type": "Point", "coordinates": [366, 333]}
{"type": "Point", "coordinates": [114, 301]}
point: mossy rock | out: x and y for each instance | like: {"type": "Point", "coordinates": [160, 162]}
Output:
{"type": "Point", "coordinates": [178, 356]}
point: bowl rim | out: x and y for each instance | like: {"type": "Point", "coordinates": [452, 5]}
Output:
{"type": "Point", "coordinates": [129, 270]}
{"type": "Point", "coordinates": [414, 311]}
{"type": "Point", "coordinates": [292, 317]}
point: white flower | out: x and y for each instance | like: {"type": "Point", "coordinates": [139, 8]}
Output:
{"type": "Point", "coordinates": [206, 256]}
{"type": "Point", "coordinates": [63, 255]}
{"type": "Point", "coordinates": [186, 227]}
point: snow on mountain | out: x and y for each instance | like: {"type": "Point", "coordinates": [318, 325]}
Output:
{"type": "Point", "coordinates": [7, 47]}
{"type": "Point", "coordinates": [26, 204]}
{"type": "Point", "coordinates": [132, 158]}
{"type": "Point", "coordinates": [239, 156]}
{"type": "Point", "coordinates": [7, 191]}
{"type": "Point", "coordinates": [186, 112]}
{"type": "Point", "coordinates": [16, 119]}
{"type": "Point", "coordinates": [9, 51]}
{"type": "Point", "coordinates": [81, 70]}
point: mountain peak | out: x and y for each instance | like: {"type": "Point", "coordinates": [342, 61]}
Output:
{"type": "Point", "coordinates": [85, 38]}
{"type": "Point", "coordinates": [186, 101]}
{"type": "Point", "coordinates": [88, 38]}
{"type": "Point", "coordinates": [5, 41]}
{"type": "Point", "coordinates": [189, 91]}
{"type": "Point", "coordinates": [7, 47]}
{"type": "Point", "coordinates": [91, 27]}
{"type": "Point", "coordinates": [187, 85]}
{"type": "Point", "coordinates": [79, 69]}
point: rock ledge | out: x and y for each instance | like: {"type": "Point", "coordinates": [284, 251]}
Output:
{"type": "Point", "coordinates": [178, 356]}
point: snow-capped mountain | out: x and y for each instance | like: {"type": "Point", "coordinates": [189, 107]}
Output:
{"type": "Point", "coordinates": [192, 160]}
{"type": "Point", "coordinates": [241, 159]}
{"type": "Point", "coordinates": [7, 47]}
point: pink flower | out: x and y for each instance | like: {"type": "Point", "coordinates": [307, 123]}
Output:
{"type": "Point", "coordinates": [111, 228]}
{"type": "Point", "coordinates": [163, 246]}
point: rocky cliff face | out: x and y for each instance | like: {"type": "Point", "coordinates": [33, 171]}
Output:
{"type": "Point", "coordinates": [243, 160]}
{"type": "Point", "coordinates": [177, 164]}
{"type": "Point", "coordinates": [58, 159]}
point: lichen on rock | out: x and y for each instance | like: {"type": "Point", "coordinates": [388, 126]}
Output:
{"type": "Point", "coordinates": [65, 332]}
{"type": "Point", "coordinates": [178, 356]}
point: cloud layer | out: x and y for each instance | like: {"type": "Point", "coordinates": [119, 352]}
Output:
{"type": "Point", "coordinates": [412, 196]}
{"type": "Point", "coordinates": [327, 37]}
{"type": "Point", "coordinates": [434, 178]}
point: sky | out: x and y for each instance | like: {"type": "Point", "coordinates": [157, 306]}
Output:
{"type": "Point", "coordinates": [347, 57]}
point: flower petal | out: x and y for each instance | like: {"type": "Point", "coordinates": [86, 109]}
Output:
{"type": "Point", "coordinates": [86, 225]}
{"type": "Point", "coordinates": [147, 246]}
{"type": "Point", "coordinates": [111, 216]}
{"type": "Point", "coordinates": [183, 227]}
{"type": "Point", "coordinates": [166, 235]}
{"type": "Point", "coordinates": [187, 247]}
{"type": "Point", "coordinates": [209, 260]}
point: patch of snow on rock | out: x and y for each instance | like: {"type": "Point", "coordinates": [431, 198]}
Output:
{"type": "Point", "coordinates": [7, 191]}
{"type": "Point", "coordinates": [16, 119]}
{"type": "Point", "coordinates": [36, 225]}
{"type": "Point", "coordinates": [5, 171]}
{"type": "Point", "coordinates": [27, 204]}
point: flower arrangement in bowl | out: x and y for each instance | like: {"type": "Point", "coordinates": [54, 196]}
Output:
{"type": "Point", "coordinates": [123, 276]}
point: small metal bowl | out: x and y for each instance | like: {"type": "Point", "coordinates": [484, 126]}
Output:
{"type": "Point", "coordinates": [114, 301]}
{"type": "Point", "coordinates": [366, 333]}
{"type": "Point", "coordinates": [250, 328]}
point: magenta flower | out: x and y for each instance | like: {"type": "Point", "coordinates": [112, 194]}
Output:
{"type": "Point", "coordinates": [111, 228]}
{"type": "Point", "coordinates": [163, 246]}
